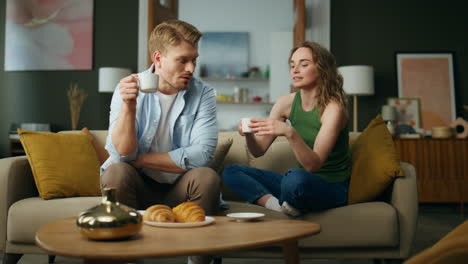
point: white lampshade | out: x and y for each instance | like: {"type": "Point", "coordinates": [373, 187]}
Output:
{"type": "Point", "coordinates": [358, 79]}
{"type": "Point", "coordinates": [389, 113]}
{"type": "Point", "coordinates": [109, 77]}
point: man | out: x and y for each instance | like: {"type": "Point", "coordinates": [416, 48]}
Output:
{"type": "Point", "coordinates": [159, 143]}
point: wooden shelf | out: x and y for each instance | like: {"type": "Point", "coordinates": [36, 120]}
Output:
{"type": "Point", "coordinates": [16, 148]}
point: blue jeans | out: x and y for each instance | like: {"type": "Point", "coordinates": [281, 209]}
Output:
{"type": "Point", "coordinates": [301, 189]}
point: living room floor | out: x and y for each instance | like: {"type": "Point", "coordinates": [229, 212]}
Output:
{"type": "Point", "coordinates": [435, 221]}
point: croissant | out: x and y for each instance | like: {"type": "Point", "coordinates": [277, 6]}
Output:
{"type": "Point", "coordinates": [189, 212]}
{"type": "Point", "coordinates": [159, 213]}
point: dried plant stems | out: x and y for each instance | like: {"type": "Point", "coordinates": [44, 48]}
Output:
{"type": "Point", "coordinates": [76, 98]}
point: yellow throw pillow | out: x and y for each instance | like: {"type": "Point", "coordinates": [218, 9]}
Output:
{"type": "Point", "coordinates": [450, 249]}
{"type": "Point", "coordinates": [375, 163]}
{"type": "Point", "coordinates": [63, 165]}
{"type": "Point", "coordinates": [224, 144]}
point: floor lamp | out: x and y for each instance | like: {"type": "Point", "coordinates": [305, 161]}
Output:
{"type": "Point", "coordinates": [357, 80]}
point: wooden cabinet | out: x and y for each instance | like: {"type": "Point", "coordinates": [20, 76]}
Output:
{"type": "Point", "coordinates": [441, 166]}
{"type": "Point", "coordinates": [16, 148]}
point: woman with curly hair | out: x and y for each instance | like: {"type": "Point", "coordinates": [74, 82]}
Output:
{"type": "Point", "coordinates": [317, 133]}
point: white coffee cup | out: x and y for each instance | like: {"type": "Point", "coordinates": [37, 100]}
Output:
{"type": "Point", "coordinates": [245, 125]}
{"type": "Point", "coordinates": [148, 82]}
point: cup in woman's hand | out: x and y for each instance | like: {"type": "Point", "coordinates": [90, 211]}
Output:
{"type": "Point", "coordinates": [245, 125]}
{"type": "Point", "coordinates": [148, 82]}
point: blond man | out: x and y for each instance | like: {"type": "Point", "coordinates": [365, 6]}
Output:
{"type": "Point", "coordinates": [160, 143]}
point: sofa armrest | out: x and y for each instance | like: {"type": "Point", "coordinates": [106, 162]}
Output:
{"type": "Point", "coordinates": [16, 183]}
{"type": "Point", "coordinates": [405, 200]}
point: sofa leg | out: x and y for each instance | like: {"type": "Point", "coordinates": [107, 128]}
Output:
{"type": "Point", "coordinates": [51, 259]}
{"type": "Point", "coordinates": [9, 258]}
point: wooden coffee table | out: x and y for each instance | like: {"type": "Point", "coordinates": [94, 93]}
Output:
{"type": "Point", "coordinates": [62, 237]}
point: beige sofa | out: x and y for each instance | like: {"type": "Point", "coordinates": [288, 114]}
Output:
{"type": "Point", "coordinates": [374, 230]}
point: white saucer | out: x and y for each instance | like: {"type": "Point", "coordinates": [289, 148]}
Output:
{"type": "Point", "coordinates": [246, 216]}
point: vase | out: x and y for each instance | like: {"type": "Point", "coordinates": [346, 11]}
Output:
{"type": "Point", "coordinates": [109, 220]}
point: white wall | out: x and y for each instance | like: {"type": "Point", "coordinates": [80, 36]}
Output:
{"type": "Point", "coordinates": [280, 80]}
{"type": "Point", "coordinates": [257, 17]}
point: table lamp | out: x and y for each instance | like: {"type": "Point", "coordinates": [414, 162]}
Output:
{"type": "Point", "coordinates": [109, 77]}
{"type": "Point", "coordinates": [389, 115]}
{"type": "Point", "coordinates": [357, 80]}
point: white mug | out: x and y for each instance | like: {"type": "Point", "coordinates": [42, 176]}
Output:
{"type": "Point", "coordinates": [148, 82]}
{"type": "Point", "coordinates": [245, 125]}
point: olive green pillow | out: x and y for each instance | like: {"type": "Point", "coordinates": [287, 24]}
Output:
{"type": "Point", "coordinates": [63, 164]}
{"type": "Point", "coordinates": [224, 144]}
{"type": "Point", "coordinates": [375, 163]}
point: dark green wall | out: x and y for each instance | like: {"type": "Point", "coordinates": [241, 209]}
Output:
{"type": "Point", "coordinates": [40, 96]}
{"type": "Point", "coordinates": [371, 32]}
{"type": "Point", "coordinates": [362, 32]}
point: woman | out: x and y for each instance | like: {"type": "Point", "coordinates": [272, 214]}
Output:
{"type": "Point", "coordinates": [318, 135]}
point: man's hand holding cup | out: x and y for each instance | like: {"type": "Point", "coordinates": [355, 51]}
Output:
{"type": "Point", "coordinates": [131, 85]}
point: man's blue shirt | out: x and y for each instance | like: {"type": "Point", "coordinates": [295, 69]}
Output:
{"type": "Point", "coordinates": [192, 121]}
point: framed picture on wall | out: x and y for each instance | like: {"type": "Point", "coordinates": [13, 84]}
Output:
{"type": "Point", "coordinates": [234, 47]}
{"type": "Point", "coordinates": [408, 111]}
{"type": "Point", "coordinates": [429, 77]}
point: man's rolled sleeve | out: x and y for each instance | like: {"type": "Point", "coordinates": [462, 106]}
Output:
{"type": "Point", "coordinates": [192, 157]}
{"type": "Point", "coordinates": [114, 155]}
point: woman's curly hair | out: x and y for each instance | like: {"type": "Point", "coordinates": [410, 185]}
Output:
{"type": "Point", "coordinates": [330, 81]}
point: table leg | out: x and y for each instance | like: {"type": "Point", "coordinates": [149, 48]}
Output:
{"type": "Point", "coordinates": [291, 252]}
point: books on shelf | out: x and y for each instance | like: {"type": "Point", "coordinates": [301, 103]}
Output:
{"type": "Point", "coordinates": [410, 136]}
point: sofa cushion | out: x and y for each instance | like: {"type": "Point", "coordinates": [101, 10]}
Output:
{"type": "Point", "coordinates": [279, 157]}
{"type": "Point", "coordinates": [100, 136]}
{"type": "Point", "coordinates": [375, 163]}
{"type": "Point", "coordinates": [27, 215]}
{"type": "Point", "coordinates": [63, 165]}
{"type": "Point", "coordinates": [373, 224]}
{"type": "Point", "coordinates": [98, 147]}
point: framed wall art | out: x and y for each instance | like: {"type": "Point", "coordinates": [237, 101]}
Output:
{"type": "Point", "coordinates": [232, 47]}
{"type": "Point", "coordinates": [408, 111]}
{"type": "Point", "coordinates": [429, 77]}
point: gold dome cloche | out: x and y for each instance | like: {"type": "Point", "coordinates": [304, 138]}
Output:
{"type": "Point", "coordinates": [109, 220]}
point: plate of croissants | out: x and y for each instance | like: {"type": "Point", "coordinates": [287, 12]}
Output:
{"type": "Point", "coordinates": [186, 214]}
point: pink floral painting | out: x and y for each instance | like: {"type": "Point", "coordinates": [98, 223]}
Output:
{"type": "Point", "coordinates": [48, 35]}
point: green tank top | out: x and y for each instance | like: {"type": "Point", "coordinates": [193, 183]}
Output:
{"type": "Point", "coordinates": [337, 167]}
